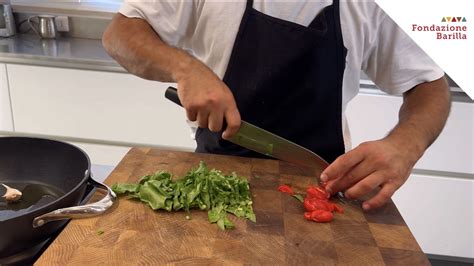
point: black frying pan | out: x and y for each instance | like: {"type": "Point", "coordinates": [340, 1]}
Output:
{"type": "Point", "coordinates": [51, 175]}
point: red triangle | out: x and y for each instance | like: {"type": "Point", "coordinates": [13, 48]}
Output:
{"type": "Point", "coordinates": [454, 19]}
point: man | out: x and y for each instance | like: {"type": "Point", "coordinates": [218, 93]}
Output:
{"type": "Point", "coordinates": [291, 68]}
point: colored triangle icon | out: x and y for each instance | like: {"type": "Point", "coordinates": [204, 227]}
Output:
{"type": "Point", "coordinates": [448, 19]}
{"type": "Point", "coordinates": [464, 19]}
{"type": "Point", "coordinates": [459, 19]}
{"type": "Point", "coordinates": [444, 19]}
{"type": "Point", "coordinates": [454, 19]}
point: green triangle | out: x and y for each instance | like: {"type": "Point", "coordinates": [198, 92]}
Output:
{"type": "Point", "coordinates": [464, 19]}
{"type": "Point", "coordinates": [443, 20]}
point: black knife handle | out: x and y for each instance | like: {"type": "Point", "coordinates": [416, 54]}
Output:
{"type": "Point", "coordinates": [172, 95]}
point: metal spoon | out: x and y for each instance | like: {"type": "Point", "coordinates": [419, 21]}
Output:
{"type": "Point", "coordinates": [11, 194]}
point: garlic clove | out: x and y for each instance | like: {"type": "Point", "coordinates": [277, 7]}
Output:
{"type": "Point", "coordinates": [12, 194]}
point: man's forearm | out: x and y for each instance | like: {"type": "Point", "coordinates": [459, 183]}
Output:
{"type": "Point", "coordinates": [135, 45]}
{"type": "Point", "coordinates": [422, 116]}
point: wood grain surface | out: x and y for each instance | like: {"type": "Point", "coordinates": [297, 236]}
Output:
{"type": "Point", "coordinates": [135, 234]}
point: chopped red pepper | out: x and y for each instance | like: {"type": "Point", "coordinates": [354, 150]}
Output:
{"type": "Point", "coordinates": [316, 192]}
{"type": "Point", "coordinates": [316, 203]}
{"type": "Point", "coordinates": [322, 216]}
{"type": "Point", "coordinates": [286, 189]}
{"type": "Point", "coordinates": [338, 208]}
{"type": "Point", "coordinates": [312, 204]}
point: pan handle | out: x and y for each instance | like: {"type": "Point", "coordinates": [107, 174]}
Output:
{"type": "Point", "coordinates": [83, 211]}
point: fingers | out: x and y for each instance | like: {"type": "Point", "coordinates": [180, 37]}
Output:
{"type": "Point", "coordinates": [342, 164]}
{"type": "Point", "coordinates": [351, 177]}
{"type": "Point", "coordinates": [202, 118]}
{"type": "Point", "coordinates": [191, 114]}
{"type": "Point", "coordinates": [215, 121]}
{"type": "Point", "coordinates": [364, 186]}
{"type": "Point", "coordinates": [232, 117]}
{"type": "Point", "coordinates": [381, 198]}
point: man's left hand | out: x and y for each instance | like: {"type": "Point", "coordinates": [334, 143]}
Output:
{"type": "Point", "coordinates": [387, 163]}
{"type": "Point", "coordinates": [383, 163]}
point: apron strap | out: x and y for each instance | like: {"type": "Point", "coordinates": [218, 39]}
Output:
{"type": "Point", "coordinates": [249, 4]}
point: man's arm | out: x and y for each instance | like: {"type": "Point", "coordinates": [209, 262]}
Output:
{"type": "Point", "coordinates": [387, 163]}
{"type": "Point", "coordinates": [134, 44]}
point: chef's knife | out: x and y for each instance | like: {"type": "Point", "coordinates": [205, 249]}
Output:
{"type": "Point", "coordinates": [267, 143]}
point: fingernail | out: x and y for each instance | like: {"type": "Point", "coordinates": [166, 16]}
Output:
{"type": "Point", "coordinates": [324, 177]}
{"type": "Point", "coordinates": [365, 206]}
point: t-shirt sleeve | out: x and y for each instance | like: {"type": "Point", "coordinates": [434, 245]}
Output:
{"type": "Point", "coordinates": [172, 20]}
{"type": "Point", "coordinates": [393, 61]}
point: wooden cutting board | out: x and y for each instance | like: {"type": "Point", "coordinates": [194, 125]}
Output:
{"type": "Point", "coordinates": [132, 233]}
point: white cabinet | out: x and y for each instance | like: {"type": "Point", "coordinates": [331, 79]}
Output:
{"type": "Point", "coordinates": [6, 121]}
{"type": "Point", "coordinates": [99, 106]}
{"type": "Point", "coordinates": [439, 211]}
{"type": "Point", "coordinates": [437, 206]}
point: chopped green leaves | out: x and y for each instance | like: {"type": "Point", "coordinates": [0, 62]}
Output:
{"type": "Point", "coordinates": [200, 188]}
{"type": "Point", "coordinates": [299, 197]}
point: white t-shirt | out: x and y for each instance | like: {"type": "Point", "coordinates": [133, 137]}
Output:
{"type": "Point", "coordinates": [376, 45]}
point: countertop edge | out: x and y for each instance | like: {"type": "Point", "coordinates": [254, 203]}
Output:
{"type": "Point", "coordinates": [367, 87]}
{"type": "Point", "coordinates": [72, 64]}
{"type": "Point", "coordinates": [457, 95]}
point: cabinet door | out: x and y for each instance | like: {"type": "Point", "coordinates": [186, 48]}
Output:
{"type": "Point", "coordinates": [372, 116]}
{"type": "Point", "coordinates": [6, 122]}
{"type": "Point", "coordinates": [96, 105]}
{"type": "Point", "coordinates": [439, 212]}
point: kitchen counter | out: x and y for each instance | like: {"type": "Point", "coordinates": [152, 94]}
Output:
{"type": "Point", "coordinates": [63, 52]}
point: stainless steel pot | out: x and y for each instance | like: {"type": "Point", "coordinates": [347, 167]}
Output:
{"type": "Point", "coordinates": [45, 27]}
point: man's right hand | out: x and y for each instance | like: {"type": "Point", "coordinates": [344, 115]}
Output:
{"type": "Point", "coordinates": [139, 49]}
{"type": "Point", "coordinates": [207, 99]}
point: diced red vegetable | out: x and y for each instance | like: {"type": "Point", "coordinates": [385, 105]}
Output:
{"type": "Point", "coordinates": [316, 192]}
{"type": "Point", "coordinates": [286, 189]}
{"type": "Point", "coordinates": [312, 204]}
{"type": "Point", "coordinates": [338, 208]}
{"type": "Point", "coordinates": [316, 203]}
{"type": "Point", "coordinates": [322, 216]}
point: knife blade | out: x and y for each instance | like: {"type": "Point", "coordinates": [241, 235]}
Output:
{"type": "Point", "coordinates": [264, 142]}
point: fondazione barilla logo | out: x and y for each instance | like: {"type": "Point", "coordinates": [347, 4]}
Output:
{"type": "Point", "coordinates": [450, 28]}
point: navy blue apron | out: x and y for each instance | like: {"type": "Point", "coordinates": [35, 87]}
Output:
{"type": "Point", "coordinates": [287, 79]}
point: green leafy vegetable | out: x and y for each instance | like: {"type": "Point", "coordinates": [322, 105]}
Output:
{"type": "Point", "coordinates": [299, 197]}
{"type": "Point", "coordinates": [200, 188]}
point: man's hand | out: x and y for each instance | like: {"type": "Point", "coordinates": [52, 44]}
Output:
{"type": "Point", "coordinates": [387, 163]}
{"type": "Point", "coordinates": [207, 99]}
{"type": "Point", "coordinates": [382, 163]}
{"type": "Point", "coordinates": [139, 49]}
